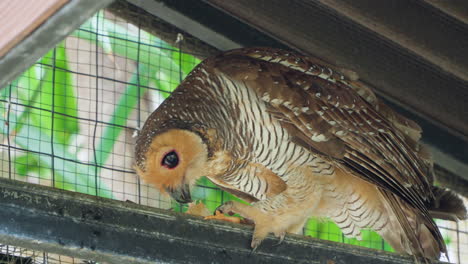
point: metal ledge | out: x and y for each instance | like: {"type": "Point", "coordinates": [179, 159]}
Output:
{"type": "Point", "coordinates": [189, 24]}
{"type": "Point", "coordinates": [88, 227]}
{"type": "Point", "coordinates": [165, 31]}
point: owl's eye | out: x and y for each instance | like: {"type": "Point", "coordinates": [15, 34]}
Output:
{"type": "Point", "coordinates": [170, 160]}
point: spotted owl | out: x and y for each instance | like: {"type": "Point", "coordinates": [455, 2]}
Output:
{"type": "Point", "coordinates": [296, 138]}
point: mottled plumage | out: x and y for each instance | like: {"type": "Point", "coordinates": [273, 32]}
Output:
{"type": "Point", "coordinates": [295, 138]}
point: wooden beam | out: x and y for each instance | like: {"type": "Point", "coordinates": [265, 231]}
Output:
{"type": "Point", "coordinates": [21, 17]}
{"type": "Point", "coordinates": [33, 27]}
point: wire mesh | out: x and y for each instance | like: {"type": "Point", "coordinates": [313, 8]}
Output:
{"type": "Point", "coordinates": [71, 122]}
{"type": "Point", "coordinates": [17, 255]}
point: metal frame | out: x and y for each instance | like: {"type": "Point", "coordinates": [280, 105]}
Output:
{"type": "Point", "coordinates": [57, 27]}
{"type": "Point", "coordinates": [98, 229]}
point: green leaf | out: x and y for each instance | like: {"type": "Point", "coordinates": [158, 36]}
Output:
{"type": "Point", "coordinates": [125, 106]}
{"type": "Point", "coordinates": [57, 98]}
{"type": "Point", "coordinates": [185, 61]}
{"type": "Point", "coordinates": [64, 98]}
{"type": "Point", "coordinates": [69, 173]}
{"type": "Point", "coordinates": [26, 163]}
{"type": "Point", "coordinates": [27, 85]}
{"type": "Point", "coordinates": [163, 69]}
{"type": "Point", "coordinates": [23, 90]}
{"type": "Point", "coordinates": [33, 126]}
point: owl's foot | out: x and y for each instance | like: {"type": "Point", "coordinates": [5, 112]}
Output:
{"type": "Point", "coordinates": [220, 216]}
{"type": "Point", "coordinates": [264, 223]}
{"type": "Point", "coordinates": [281, 236]}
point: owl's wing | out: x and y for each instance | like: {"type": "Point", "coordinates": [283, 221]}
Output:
{"type": "Point", "coordinates": [256, 183]}
{"type": "Point", "coordinates": [328, 116]}
{"type": "Point", "coordinates": [342, 121]}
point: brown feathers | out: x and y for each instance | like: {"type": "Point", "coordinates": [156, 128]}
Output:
{"type": "Point", "coordinates": [342, 121]}
{"type": "Point", "coordinates": [320, 105]}
{"type": "Point", "coordinates": [298, 137]}
{"type": "Point", "coordinates": [272, 184]}
{"type": "Point", "coordinates": [446, 205]}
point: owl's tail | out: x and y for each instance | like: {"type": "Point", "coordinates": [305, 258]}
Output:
{"type": "Point", "coordinates": [447, 205]}
{"type": "Point", "coordinates": [410, 231]}
{"type": "Point", "coordinates": [417, 235]}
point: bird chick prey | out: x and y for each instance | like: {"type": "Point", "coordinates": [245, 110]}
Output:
{"type": "Point", "coordinates": [295, 137]}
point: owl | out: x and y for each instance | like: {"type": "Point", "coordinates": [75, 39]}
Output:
{"type": "Point", "coordinates": [296, 137]}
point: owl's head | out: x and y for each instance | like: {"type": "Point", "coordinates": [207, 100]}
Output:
{"type": "Point", "coordinates": [173, 162]}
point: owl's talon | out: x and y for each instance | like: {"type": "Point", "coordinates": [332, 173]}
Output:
{"type": "Point", "coordinates": [259, 234]}
{"type": "Point", "coordinates": [226, 208]}
{"type": "Point", "coordinates": [281, 237]}
{"type": "Point", "coordinates": [255, 243]}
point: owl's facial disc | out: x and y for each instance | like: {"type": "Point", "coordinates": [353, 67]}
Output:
{"type": "Point", "coordinates": [174, 161]}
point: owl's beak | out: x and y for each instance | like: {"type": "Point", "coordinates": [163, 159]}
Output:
{"type": "Point", "coordinates": [180, 194]}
